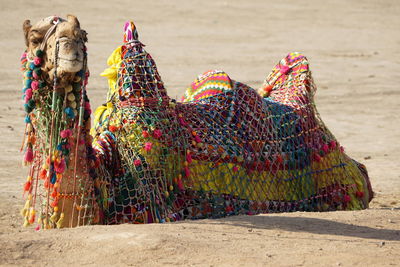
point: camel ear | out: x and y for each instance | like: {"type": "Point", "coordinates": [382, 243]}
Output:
{"type": "Point", "coordinates": [72, 19]}
{"type": "Point", "coordinates": [84, 35]}
{"type": "Point", "coordinates": [26, 27]}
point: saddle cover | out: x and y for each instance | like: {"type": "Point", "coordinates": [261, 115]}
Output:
{"type": "Point", "coordinates": [224, 150]}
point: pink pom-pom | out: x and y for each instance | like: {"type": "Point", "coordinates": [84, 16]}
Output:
{"type": "Point", "coordinates": [137, 162]}
{"type": "Point", "coordinates": [59, 167]}
{"type": "Point", "coordinates": [28, 155]}
{"type": "Point", "coordinates": [148, 146]}
{"type": "Point", "coordinates": [28, 93]}
{"type": "Point", "coordinates": [189, 158]}
{"type": "Point", "coordinates": [23, 56]}
{"type": "Point", "coordinates": [317, 157]}
{"type": "Point", "coordinates": [180, 185]}
{"type": "Point", "coordinates": [26, 99]}
{"type": "Point", "coordinates": [157, 133]}
{"type": "Point", "coordinates": [37, 61]}
{"type": "Point", "coordinates": [332, 144]}
{"type": "Point", "coordinates": [66, 133]}
{"type": "Point", "coordinates": [235, 168]}
{"type": "Point", "coordinates": [35, 85]}
{"type": "Point", "coordinates": [346, 198]}
{"type": "Point", "coordinates": [37, 227]}
{"type": "Point", "coordinates": [182, 122]}
{"type": "Point", "coordinates": [284, 69]}
{"type": "Point", "coordinates": [325, 148]}
{"type": "Point", "coordinates": [187, 172]}
{"type": "Point", "coordinates": [197, 138]}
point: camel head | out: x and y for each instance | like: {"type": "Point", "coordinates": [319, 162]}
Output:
{"type": "Point", "coordinates": [71, 46]}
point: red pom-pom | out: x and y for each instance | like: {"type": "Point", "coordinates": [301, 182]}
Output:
{"type": "Point", "coordinates": [43, 174]}
{"type": "Point", "coordinates": [54, 203]}
{"type": "Point", "coordinates": [267, 164]}
{"type": "Point", "coordinates": [359, 194]}
{"type": "Point", "coordinates": [268, 88]}
{"type": "Point", "coordinates": [187, 172]}
{"type": "Point", "coordinates": [54, 194]}
{"type": "Point", "coordinates": [137, 162]}
{"type": "Point", "coordinates": [180, 185]}
{"type": "Point", "coordinates": [66, 133]}
{"type": "Point", "coordinates": [32, 218]}
{"type": "Point", "coordinates": [27, 186]}
{"type": "Point", "coordinates": [325, 148]}
{"type": "Point", "coordinates": [197, 138]}
{"type": "Point", "coordinates": [59, 167]}
{"type": "Point", "coordinates": [317, 157]}
{"type": "Point", "coordinates": [28, 155]}
{"type": "Point", "coordinates": [346, 198]}
{"type": "Point", "coordinates": [157, 133]}
{"type": "Point", "coordinates": [113, 128]}
{"type": "Point", "coordinates": [145, 134]}
{"type": "Point", "coordinates": [189, 158]}
{"type": "Point", "coordinates": [46, 183]}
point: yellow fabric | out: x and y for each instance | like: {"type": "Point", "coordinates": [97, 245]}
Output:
{"type": "Point", "coordinates": [103, 112]}
{"type": "Point", "coordinates": [256, 186]}
{"type": "Point", "coordinates": [110, 73]}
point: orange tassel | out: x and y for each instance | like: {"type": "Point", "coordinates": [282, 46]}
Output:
{"type": "Point", "coordinates": [43, 174]}
{"type": "Point", "coordinates": [27, 186]}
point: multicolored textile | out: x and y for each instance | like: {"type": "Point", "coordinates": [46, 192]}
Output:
{"type": "Point", "coordinates": [225, 150]}
{"type": "Point", "coordinates": [208, 84]}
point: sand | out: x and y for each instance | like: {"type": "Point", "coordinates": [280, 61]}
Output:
{"type": "Point", "coordinates": [353, 47]}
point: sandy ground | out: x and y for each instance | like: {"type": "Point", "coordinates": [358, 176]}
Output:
{"type": "Point", "coordinates": [353, 47]}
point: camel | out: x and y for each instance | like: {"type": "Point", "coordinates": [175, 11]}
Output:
{"type": "Point", "coordinates": [57, 143]}
{"type": "Point", "coordinates": [225, 149]}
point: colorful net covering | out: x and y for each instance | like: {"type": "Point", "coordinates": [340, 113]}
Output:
{"type": "Point", "coordinates": [226, 150]}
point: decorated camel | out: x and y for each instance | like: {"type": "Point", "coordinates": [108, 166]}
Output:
{"type": "Point", "coordinates": [225, 149]}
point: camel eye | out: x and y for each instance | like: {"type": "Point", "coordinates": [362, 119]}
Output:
{"type": "Point", "coordinates": [35, 41]}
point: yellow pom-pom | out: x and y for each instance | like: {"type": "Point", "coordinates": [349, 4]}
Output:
{"type": "Point", "coordinates": [72, 104]}
{"type": "Point", "coordinates": [68, 88]}
{"type": "Point", "coordinates": [71, 97]}
{"type": "Point", "coordinates": [26, 222]}
{"type": "Point", "coordinates": [53, 218]}
{"type": "Point", "coordinates": [60, 221]}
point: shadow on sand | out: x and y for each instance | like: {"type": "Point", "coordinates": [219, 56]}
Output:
{"type": "Point", "coordinates": [309, 225]}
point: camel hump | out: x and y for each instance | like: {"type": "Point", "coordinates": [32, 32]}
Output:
{"type": "Point", "coordinates": [209, 83]}
{"type": "Point", "coordinates": [130, 32]}
{"type": "Point", "coordinates": [292, 70]}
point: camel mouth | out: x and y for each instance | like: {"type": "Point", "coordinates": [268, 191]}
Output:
{"type": "Point", "coordinates": [77, 60]}
{"type": "Point", "coordinates": [70, 65]}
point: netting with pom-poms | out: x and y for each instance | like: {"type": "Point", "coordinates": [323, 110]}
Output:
{"type": "Point", "coordinates": [224, 150]}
